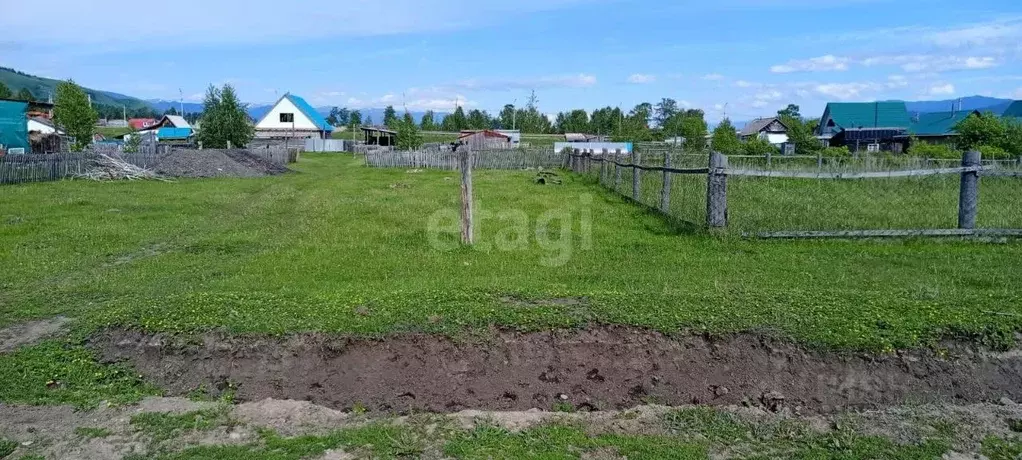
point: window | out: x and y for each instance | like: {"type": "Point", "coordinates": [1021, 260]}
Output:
{"type": "Point", "coordinates": [873, 148]}
{"type": "Point", "coordinates": [287, 118]}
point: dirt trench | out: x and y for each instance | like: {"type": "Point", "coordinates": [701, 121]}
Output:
{"type": "Point", "coordinates": [596, 369]}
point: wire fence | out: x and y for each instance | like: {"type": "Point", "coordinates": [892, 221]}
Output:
{"type": "Point", "coordinates": [483, 159]}
{"type": "Point", "coordinates": [806, 197]}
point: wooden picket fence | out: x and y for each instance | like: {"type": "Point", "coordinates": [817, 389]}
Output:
{"type": "Point", "coordinates": [484, 159]}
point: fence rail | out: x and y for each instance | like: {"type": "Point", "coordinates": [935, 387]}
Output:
{"type": "Point", "coordinates": [846, 200]}
{"type": "Point", "coordinates": [483, 159]}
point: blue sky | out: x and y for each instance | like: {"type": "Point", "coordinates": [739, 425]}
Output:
{"type": "Point", "coordinates": [745, 57]}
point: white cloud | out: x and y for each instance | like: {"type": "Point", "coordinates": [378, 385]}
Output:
{"type": "Point", "coordinates": [978, 34]}
{"type": "Point", "coordinates": [713, 77]}
{"type": "Point", "coordinates": [640, 78]}
{"type": "Point", "coordinates": [581, 80]}
{"type": "Point", "coordinates": [745, 84]}
{"type": "Point", "coordinates": [915, 63]}
{"type": "Point", "coordinates": [844, 91]}
{"type": "Point", "coordinates": [828, 63]}
{"type": "Point", "coordinates": [941, 89]}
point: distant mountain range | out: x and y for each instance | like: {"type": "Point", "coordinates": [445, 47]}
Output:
{"type": "Point", "coordinates": [981, 103]}
{"type": "Point", "coordinates": [257, 111]}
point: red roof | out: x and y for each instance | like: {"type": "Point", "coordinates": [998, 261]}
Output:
{"type": "Point", "coordinates": [139, 123]}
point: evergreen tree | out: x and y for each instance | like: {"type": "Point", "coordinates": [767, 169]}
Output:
{"type": "Point", "coordinates": [5, 92]}
{"type": "Point", "coordinates": [73, 113]}
{"type": "Point", "coordinates": [390, 117]}
{"type": "Point", "coordinates": [725, 139]}
{"type": "Point", "coordinates": [427, 121]}
{"type": "Point", "coordinates": [408, 137]}
{"type": "Point", "coordinates": [355, 120]}
{"type": "Point", "coordinates": [224, 120]}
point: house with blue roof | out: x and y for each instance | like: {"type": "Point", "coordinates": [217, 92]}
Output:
{"type": "Point", "coordinates": [293, 117]}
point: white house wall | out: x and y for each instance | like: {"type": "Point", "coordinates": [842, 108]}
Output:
{"type": "Point", "coordinates": [39, 127]}
{"type": "Point", "coordinates": [272, 119]}
{"type": "Point", "coordinates": [776, 139]}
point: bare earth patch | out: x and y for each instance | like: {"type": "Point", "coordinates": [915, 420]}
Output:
{"type": "Point", "coordinates": [31, 332]}
{"type": "Point", "coordinates": [598, 369]}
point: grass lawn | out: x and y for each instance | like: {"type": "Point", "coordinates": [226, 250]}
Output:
{"type": "Point", "coordinates": [342, 248]}
{"type": "Point", "coordinates": [110, 132]}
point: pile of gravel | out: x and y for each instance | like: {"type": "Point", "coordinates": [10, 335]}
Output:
{"type": "Point", "coordinates": [215, 163]}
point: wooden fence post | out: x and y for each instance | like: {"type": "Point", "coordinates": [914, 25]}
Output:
{"type": "Point", "coordinates": [636, 174]}
{"type": "Point", "coordinates": [968, 198]}
{"type": "Point", "coordinates": [769, 159]}
{"type": "Point", "coordinates": [665, 193]}
{"type": "Point", "coordinates": [617, 170]}
{"type": "Point", "coordinates": [716, 192]}
{"type": "Point", "coordinates": [819, 160]}
{"type": "Point", "coordinates": [465, 159]}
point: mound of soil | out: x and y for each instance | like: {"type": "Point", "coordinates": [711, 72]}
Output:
{"type": "Point", "coordinates": [604, 368]}
{"type": "Point", "coordinates": [215, 163]}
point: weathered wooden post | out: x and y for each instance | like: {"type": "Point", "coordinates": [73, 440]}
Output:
{"type": "Point", "coordinates": [603, 166]}
{"type": "Point", "coordinates": [968, 198]}
{"type": "Point", "coordinates": [465, 158]}
{"type": "Point", "coordinates": [769, 159]}
{"type": "Point", "coordinates": [617, 170]}
{"type": "Point", "coordinates": [228, 144]}
{"type": "Point", "coordinates": [200, 145]}
{"type": "Point", "coordinates": [665, 194]}
{"type": "Point", "coordinates": [716, 192]}
{"type": "Point", "coordinates": [819, 160]}
{"type": "Point", "coordinates": [636, 174]}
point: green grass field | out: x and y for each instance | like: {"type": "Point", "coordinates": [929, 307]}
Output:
{"type": "Point", "coordinates": [307, 251]}
{"type": "Point", "coordinates": [110, 133]}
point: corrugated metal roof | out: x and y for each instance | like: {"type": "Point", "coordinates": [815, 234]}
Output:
{"type": "Point", "coordinates": [757, 125]}
{"type": "Point", "coordinates": [178, 121]}
{"type": "Point", "coordinates": [1014, 110]}
{"type": "Point", "coordinates": [174, 133]}
{"type": "Point", "coordinates": [937, 124]}
{"type": "Point", "coordinates": [849, 115]}
{"type": "Point", "coordinates": [310, 112]}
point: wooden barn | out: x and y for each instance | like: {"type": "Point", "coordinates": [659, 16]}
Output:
{"type": "Point", "coordinates": [486, 139]}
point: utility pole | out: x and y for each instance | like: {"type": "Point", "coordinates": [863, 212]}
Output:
{"type": "Point", "coordinates": [181, 95]}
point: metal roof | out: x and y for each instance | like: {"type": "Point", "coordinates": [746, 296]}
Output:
{"type": "Point", "coordinates": [757, 125]}
{"type": "Point", "coordinates": [310, 112]}
{"type": "Point", "coordinates": [177, 120]}
{"type": "Point", "coordinates": [849, 115]}
{"type": "Point", "coordinates": [938, 124]}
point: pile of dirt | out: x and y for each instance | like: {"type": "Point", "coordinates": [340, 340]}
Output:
{"type": "Point", "coordinates": [215, 163]}
{"type": "Point", "coordinates": [598, 369]}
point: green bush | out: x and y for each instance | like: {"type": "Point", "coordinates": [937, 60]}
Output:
{"type": "Point", "coordinates": [991, 152]}
{"type": "Point", "coordinates": [836, 152]}
{"type": "Point", "coordinates": [759, 147]}
{"type": "Point", "coordinates": [925, 149]}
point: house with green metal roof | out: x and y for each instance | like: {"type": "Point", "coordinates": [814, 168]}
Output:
{"type": "Point", "coordinates": [293, 117]}
{"type": "Point", "coordinates": [865, 126]}
{"type": "Point", "coordinates": [938, 127]}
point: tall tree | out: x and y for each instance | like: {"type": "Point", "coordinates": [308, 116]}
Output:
{"type": "Point", "coordinates": [5, 92]}
{"type": "Point", "coordinates": [390, 117]}
{"type": "Point", "coordinates": [427, 122]}
{"type": "Point", "coordinates": [343, 116]}
{"type": "Point", "coordinates": [24, 94]}
{"type": "Point", "coordinates": [408, 137]}
{"type": "Point", "coordinates": [791, 111]}
{"type": "Point", "coordinates": [355, 120]}
{"type": "Point", "coordinates": [665, 109]}
{"type": "Point", "coordinates": [508, 117]}
{"type": "Point", "coordinates": [224, 121]}
{"type": "Point", "coordinates": [332, 117]}
{"type": "Point", "coordinates": [73, 113]}
{"type": "Point", "coordinates": [725, 139]}
{"type": "Point", "coordinates": [974, 132]}
{"type": "Point", "coordinates": [478, 119]}
{"type": "Point", "coordinates": [575, 121]}
{"type": "Point", "coordinates": [170, 111]}
{"type": "Point", "coordinates": [456, 121]}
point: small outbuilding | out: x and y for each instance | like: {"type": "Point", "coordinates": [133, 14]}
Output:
{"type": "Point", "coordinates": [770, 129]}
{"type": "Point", "coordinates": [486, 139]}
{"type": "Point", "coordinates": [382, 137]}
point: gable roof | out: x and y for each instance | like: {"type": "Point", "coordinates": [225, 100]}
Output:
{"type": "Point", "coordinates": [1014, 110]}
{"type": "Point", "coordinates": [43, 121]}
{"type": "Point", "coordinates": [849, 115]}
{"type": "Point", "coordinates": [759, 124]}
{"type": "Point", "coordinates": [939, 123]}
{"type": "Point", "coordinates": [309, 112]}
{"type": "Point", "coordinates": [177, 120]}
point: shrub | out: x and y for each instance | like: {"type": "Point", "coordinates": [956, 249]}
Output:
{"type": "Point", "coordinates": [991, 152]}
{"type": "Point", "coordinates": [925, 149]}
{"type": "Point", "coordinates": [758, 146]}
{"type": "Point", "coordinates": [836, 152]}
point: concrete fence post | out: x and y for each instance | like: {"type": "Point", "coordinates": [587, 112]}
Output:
{"type": "Point", "coordinates": [228, 145]}
{"type": "Point", "coordinates": [617, 170]}
{"type": "Point", "coordinates": [716, 192]}
{"type": "Point", "coordinates": [968, 198]}
{"type": "Point", "coordinates": [665, 193]}
{"type": "Point", "coordinates": [636, 174]}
